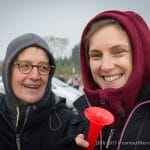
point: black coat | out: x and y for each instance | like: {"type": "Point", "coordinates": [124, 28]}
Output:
{"type": "Point", "coordinates": [44, 129]}
{"type": "Point", "coordinates": [133, 132]}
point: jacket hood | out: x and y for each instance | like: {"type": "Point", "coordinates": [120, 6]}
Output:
{"type": "Point", "coordinates": [117, 100]}
{"type": "Point", "coordinates": [13, 49]}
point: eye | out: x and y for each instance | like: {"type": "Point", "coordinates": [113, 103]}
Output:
{"type": "Point", "coordinates": [95, 55]}
{"type": "Point", "coordinates": [44, 67]}
{"type": "Point", "coordinates": [119, 52]}
{"type": "Point", "coordinates": [24, 66]}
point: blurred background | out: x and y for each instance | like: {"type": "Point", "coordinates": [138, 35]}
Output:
{"type": "Point", "coordinates": [61, 23]}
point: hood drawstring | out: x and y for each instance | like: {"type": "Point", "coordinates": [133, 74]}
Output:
{"type": "Point", "coordinates": [18, 114]}
{"type": "Point", "coordinates": [50, 122]}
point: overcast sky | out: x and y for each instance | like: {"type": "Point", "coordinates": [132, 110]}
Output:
{"type": "Point", "coordinates": [59, 18]}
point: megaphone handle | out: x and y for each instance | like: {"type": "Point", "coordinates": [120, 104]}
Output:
{"type": "Point", "coordinates": [93, 134]}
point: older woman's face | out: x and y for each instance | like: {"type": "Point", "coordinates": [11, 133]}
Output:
{"type": "Point", "coordinates": [110, 57]}
{"type": "Point", "coordinates": [30, 87]}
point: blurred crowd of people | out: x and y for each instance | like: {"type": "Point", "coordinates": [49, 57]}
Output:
{"type": "Point", "coordinates": [74, 81]}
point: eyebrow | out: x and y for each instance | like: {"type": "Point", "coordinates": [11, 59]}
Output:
{"type": "Point", "coordinates": [121, 46]}
{"type": "Point", "coordinates": [113, 47]}
{"type": "Point", "coordinates": [93, 50]}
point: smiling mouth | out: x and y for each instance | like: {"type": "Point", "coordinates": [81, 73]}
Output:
{"type": "Point", "coordinates": [112, 78]}
{"type": "Point", "coordinates": [32, 86]}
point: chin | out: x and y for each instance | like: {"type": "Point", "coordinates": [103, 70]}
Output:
{"type": "Point", "coordinates": [31, 100]}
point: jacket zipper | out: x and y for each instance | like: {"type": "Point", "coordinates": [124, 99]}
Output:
{"type": "Point", "coordinates": [19, 134]}
{"type": "Point", "coordinates": [18, 141]}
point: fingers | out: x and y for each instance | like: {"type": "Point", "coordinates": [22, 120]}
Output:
{"type": "Point", "coordinates": [80, 141]}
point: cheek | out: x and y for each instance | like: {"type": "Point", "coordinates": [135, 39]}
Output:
{"type": "Point", "coordinates": [128, 66]}
{"type": "Point", "coordinates": [45, 80]}
{"type": "Point", "coordinates": [94, 66]}
{"type": "Point", "coordinates": [13, 79]}
{"type": "Point", "coordinates": [129, 69]}
{"type": "Point", "coordinates": [16, 80]}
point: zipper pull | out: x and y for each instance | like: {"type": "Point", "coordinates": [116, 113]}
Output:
{"type": "Point", "coordinates": [111, 133]}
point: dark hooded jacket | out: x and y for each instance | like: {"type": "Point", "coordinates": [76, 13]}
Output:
{"type": "Point", "coordinates": [46, 125]}
{"type": "Point", "coordinates": [130, 104]}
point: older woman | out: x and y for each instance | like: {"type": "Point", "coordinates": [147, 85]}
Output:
{"type": "Point", "coordinates": [32, 117]}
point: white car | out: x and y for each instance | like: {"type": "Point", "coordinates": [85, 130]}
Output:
{"type": "Point", "coordinates": [62, 89]}
{"type": "Point", "coordinates": [59, 88]}
{"type": "Point", "coordinates": [1, 86]}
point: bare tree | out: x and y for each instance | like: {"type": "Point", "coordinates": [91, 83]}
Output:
{"type": "Point", "coordinates": [58, 46]}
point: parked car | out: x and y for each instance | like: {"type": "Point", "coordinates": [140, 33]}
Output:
{"type": "Point", "coordinates": [1, 86]}
{"type": "Point", "coordinates": [60, 88]}
{"type": "Point", "coordinates": [64, 90]}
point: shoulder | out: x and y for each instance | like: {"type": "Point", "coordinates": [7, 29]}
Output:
{"type": "Point", "coordinates": [80, 104]}
{"type": "Point", "coordinates": [61, 108]}
{"type": "Point", "coordinates": [145, 94]}
{"type": "Point", "coordinates": [62, 117]}
{"type": "Point", "coordinates": [65, 114]}
{"type": "Point", "coordinates": [80, 101]}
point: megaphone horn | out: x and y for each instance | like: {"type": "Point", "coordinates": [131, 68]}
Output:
{"type": "Point", "coordinates": [98, 118]}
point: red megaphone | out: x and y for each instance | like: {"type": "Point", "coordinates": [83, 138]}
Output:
{"type": "Point", "coordinates": [98, 117]}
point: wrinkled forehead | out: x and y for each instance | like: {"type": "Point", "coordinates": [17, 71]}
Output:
{"type": "Point", "coordinates": [33, 53]}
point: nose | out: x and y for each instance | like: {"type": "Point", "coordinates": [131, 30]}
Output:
{"type": "Point", "coordinates": [107, 64]}
{"type": "Point", "coordinates": [34, 74]}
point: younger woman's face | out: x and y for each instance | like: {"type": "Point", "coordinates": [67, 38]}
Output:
{"type": "Point", "coordinates": [110, 57]}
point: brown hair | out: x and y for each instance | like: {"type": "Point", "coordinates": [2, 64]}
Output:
{"type": "Point", "coordinates": [96, 26]}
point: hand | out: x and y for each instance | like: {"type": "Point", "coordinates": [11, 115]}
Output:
{"type": "Point", "coordinates": [80, 141]}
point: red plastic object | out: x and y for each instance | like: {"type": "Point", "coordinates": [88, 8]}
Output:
{"type": "Point", "coordinates": [98, 118]}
